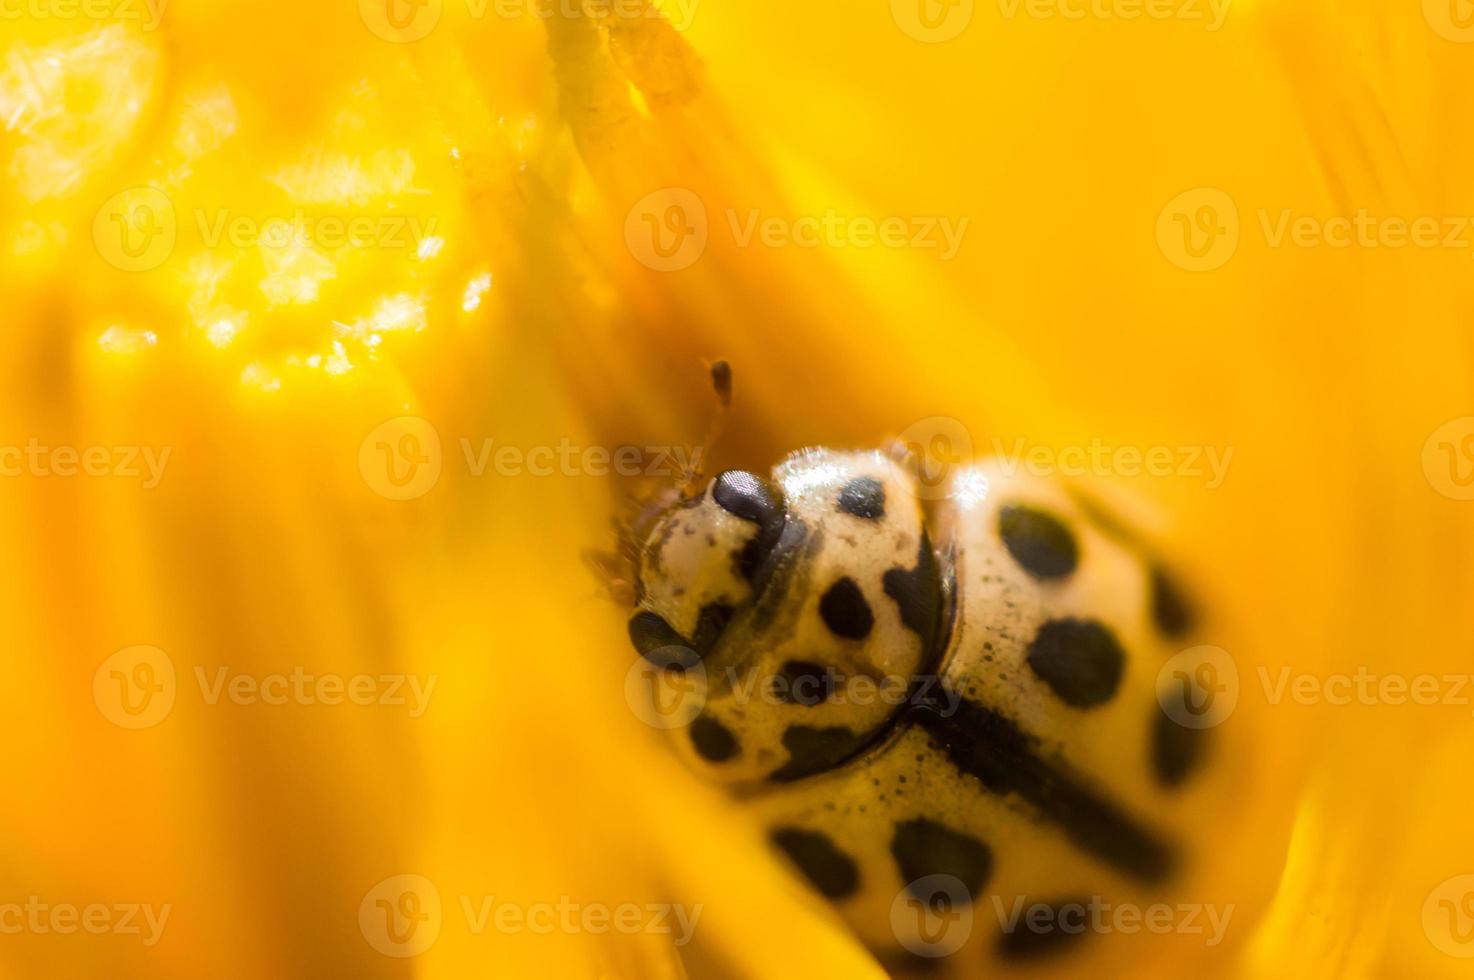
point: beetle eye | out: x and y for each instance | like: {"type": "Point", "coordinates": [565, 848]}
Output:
{"type": "Point", "coordinates": [748, 496]}
{"type": "Point", "coordinates": [751, 498]}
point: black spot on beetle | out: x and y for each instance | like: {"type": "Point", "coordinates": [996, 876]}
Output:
{"type": "Point", "coordinates": [832, 871]}
{"type": "Point", "coordinates": [924, 847]}
{"type": "Point", "coordinates": [845, 610]}
{"type": "Point", "coordinates": [1034, 934]}
{"type": "Point", "coordinates": [805, 682]}
{"type": "Point", "coordinates": [712, 740]}
{"type": "Point", "coordinates": [863, 497]}
{"type": "Point", "coordinates": [1043, 546]}
{"type": "Point", "coordinates": [812, 750]}
{"type": "Point", "coordinates": [1079, 659]}
{"type": "Point", "coordinates": [917, 593]}
{"type": "Point", "coordinates": [1171, 610]}
{"type": "Point", "coordinates": [649, 632]}
{"type": "Point", "coordinates": [1177, 750]}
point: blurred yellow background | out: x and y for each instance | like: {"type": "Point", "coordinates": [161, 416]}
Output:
{"type": "Point", "coordinates": [241, 238]}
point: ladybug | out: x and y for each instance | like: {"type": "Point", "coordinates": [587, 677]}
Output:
{"type": "Point", "coordinates": [935, 706]}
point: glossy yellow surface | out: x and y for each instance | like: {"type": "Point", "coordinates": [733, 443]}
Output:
{"type": "Point", "coordinates": [185, 283]}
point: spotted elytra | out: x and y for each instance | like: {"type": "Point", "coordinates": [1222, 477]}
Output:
{"type": "Point", "coordinates": [929, 701]}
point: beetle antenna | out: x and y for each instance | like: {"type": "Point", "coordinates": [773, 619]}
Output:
{"type": "Point", "coordinates": [721, 386]}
